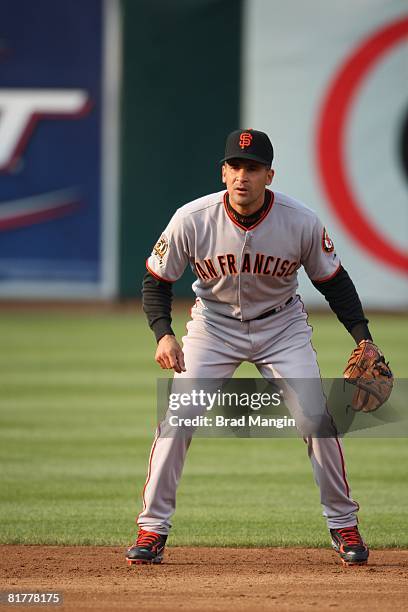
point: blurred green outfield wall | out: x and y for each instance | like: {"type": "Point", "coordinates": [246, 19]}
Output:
{"type": "Point", "coordinates": [180, 97]}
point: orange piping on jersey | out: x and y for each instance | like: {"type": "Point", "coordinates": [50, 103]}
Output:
{"type": "Point", "coordinates": [166, 280]}
{"type": "Point", "coordinates": [326, 278]}
{"type": "Point", "coordinates": [251, 227]}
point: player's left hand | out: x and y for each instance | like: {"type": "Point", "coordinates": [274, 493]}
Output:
{"type": "Point", "coordinates": [372, 377]}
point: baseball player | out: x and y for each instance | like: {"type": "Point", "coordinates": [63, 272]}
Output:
{"type": "Point", "coordinates": [245, 245]}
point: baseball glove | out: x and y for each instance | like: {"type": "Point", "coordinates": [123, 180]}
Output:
{"type": "Point", "coordinates": [373, 379]}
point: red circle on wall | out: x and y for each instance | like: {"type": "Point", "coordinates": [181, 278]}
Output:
{"type": "Point", "coordinates": [331, 144]}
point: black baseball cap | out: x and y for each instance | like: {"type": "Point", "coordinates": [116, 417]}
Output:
{"type": "Point", "coordinates": [249, 144]}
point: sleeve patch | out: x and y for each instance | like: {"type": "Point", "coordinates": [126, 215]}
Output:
{"type": "Point", "coordinates": [327, 242]}
{"type": "Point", "coordinates": [161, 248]}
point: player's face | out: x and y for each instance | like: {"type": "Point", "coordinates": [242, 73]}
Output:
{"type": "Point", "coordinates": [246, 181]}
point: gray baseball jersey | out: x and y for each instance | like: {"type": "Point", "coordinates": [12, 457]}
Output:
{"type": "Point", "coordinates": [242, 272]}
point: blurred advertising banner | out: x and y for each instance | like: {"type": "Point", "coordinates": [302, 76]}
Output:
{"type": "Point", "coordinates": [58, 116]}
{"type": "Point", "coordinates": [328, 82]}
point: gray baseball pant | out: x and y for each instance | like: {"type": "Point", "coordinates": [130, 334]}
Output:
{"type": "Point", "coordinates": [280, 347]}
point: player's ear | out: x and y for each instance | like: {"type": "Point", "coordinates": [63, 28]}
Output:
{"type": "Point", "coordinates": [224, 180]}
{"type": "Point", "coordinates": [269, 176]}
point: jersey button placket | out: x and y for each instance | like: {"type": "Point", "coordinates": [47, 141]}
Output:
{"type": "Point", "coordinates": [244, 289]}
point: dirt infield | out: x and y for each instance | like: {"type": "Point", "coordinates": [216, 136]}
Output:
{"type": "Point", "coordinates": [92, 578]}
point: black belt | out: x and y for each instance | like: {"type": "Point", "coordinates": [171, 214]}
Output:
{"type": "Point", "coordinates": [268, 313]}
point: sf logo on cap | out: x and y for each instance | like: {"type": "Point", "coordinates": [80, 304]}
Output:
{"type": "Point", "coordinates": [245, 139]}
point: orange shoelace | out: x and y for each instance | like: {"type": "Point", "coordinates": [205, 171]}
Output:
{"type": "Point", "coordinates": [147, 538]}
{"type": "Point", "coordinates": [350, 536]}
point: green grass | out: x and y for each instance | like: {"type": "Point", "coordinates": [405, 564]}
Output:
{"type": "Point", "coordinates": [77, 415]}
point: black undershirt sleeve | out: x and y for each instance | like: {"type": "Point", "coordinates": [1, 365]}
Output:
{"type": "Point", "coordinates": [157, 296]}
{"type": "Point", "coordinates": [343, 299]}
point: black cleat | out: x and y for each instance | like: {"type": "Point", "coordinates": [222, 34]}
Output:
{"type": "Point", "coordinates": [149, 548]}
{"type": "Point", "coordinates": [350, 545]}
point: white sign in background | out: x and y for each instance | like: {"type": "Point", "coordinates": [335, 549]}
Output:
{"type": "Point", "coordinates": [292, 52]}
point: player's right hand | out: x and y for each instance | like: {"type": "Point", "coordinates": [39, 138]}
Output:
{"type": "Point", "coordinates": [169, 354]}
